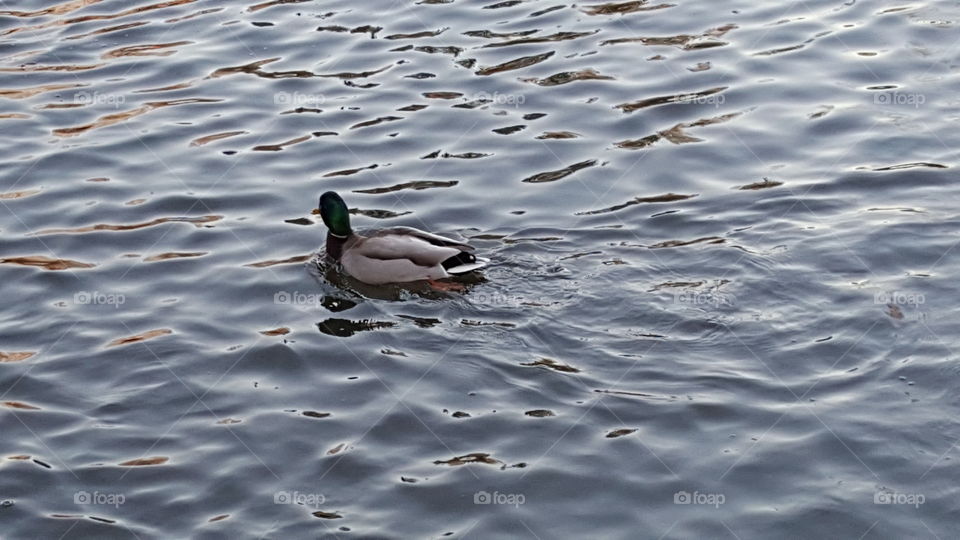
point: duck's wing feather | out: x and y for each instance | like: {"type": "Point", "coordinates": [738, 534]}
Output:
{"type": "Point", "coordinates": [434, 239]}
{"type": "Point", "coordinates": [385, 247]}
{"type": "Point", "coordinates": [381, 271]}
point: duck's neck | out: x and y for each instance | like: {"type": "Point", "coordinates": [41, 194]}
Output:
{"type": "Point", "coordinates": [335, 245]}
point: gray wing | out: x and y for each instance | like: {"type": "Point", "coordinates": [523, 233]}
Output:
{"type": "Point", "coordinates": [434, 239]}
{"type": "Point", "coordinates": [385, 246]}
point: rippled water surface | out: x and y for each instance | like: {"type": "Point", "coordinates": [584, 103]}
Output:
{"type": "Point", "coordinates": [719, 304]}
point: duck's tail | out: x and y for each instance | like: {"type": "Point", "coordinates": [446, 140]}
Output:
{"type": "Point", "coordinates": [463, 262]}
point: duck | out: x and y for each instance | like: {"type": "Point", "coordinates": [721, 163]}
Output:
{"type": "Point", "coordinates": [393, 255]}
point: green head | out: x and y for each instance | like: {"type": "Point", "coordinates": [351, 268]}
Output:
{"type": "Point", "coordinates": [335, 214]}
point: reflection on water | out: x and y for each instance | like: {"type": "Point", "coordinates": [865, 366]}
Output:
{"type": "Point", "coordinates": [719, 303]}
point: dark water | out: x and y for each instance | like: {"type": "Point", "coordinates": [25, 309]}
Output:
{"type": "Point", "coordinates": [722, 239]}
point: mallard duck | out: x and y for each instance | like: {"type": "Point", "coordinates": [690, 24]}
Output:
{"type": "Point", "coordinates": [394, 255]}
